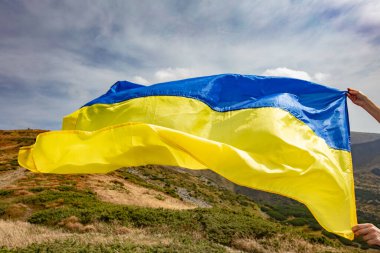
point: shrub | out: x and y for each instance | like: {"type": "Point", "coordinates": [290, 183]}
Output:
{"type": "Point", "coordinates": [2, 210]}
{"type": "Point", "coordinates": [218, 225]}
{"type": "Point", "coordinates": [78, 199]}
{"type": "Point", "coordinates": [298, 222]}
{"type": "Point", "coordinates": [4, 193]}
{"type": "Point", "coordinates": [276, 215]}
{"type": "Point", "coordinates": [223, 226]}
{"type": "Point", "coordinates": [320, 239]}
{"type": "Point", "coordinates": [313, 225]}
{"type": "Point", "coordinates": [37, 189]}
{"type": "Point", "coordinates": [73, 245]}
{"type": "Point", "coordinates": [66, 188]}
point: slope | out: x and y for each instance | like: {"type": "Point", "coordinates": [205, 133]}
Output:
{"type": "Point", "coordinates": [144, 209]}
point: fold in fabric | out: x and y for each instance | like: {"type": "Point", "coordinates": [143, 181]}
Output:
{"type": "Point", "coordinates": [280, 135]}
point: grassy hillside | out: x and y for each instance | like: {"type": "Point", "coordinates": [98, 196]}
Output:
{"type": "Point", "coordinates": [144, 209]}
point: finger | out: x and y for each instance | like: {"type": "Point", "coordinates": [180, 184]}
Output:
{"type": "Point", "coordinates": [352, 91]}
{"type": "Point", "coordinates": [367, 232]}
{"type": "Point", "coordinates": [352, 98]}
{"type": "Point", "coordinates": [362, 225]}
{"type": "Point", "coordinates": [374, 242]}
{"type": "Point", "coordinates": [362, 231]}
{"type": "Point", "coordinates": [369, 236]}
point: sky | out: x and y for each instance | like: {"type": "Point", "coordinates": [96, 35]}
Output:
{"type": "Point", "coordinates": [55, 56]}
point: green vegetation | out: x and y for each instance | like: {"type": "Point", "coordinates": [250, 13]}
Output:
{"type": "Point", "coordinates": [168, 181]}
{"type": "Point", "coordinates": [223, 220]}
{"type": "Point", "coordinates": [10, 142]}
{"type": "Point", "coordinates": [5, 192]}
{"type": "Point", "coordinates": [231, 218]}
{"type": "Point", "coordinates": [184, 244]}
{"type": "Point", "coordinates": [292, 213]}
{"type": "Point", "coordinates": [366, 217]}
{"type": "Point", "coordinates": [37, 189]}
{"type": "Point", "coordinates": [218, 225]}
{"type": "Point", "coordinates": [366, 196]}
{"type": "Point", "coordinates": [26, 141]}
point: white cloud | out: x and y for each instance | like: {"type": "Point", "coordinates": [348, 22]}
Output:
{"type": "Point", "coordinates": [288, 73]}
{"type": "Point", "coordinates": [170, 74]}
{"type": "Point", "coordinates": [365, 12]}
{"type": "Point", "coordinates": [320, 77]}
{"type": "Point", "coordinates": [370, 13]}
{"type": "Point", "coordinates": [140, 80]}
{"type": "Point", "coordinates": [282, 71]}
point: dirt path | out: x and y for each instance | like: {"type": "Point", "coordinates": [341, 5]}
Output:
{"type": "Point", "coordinates": [110, 189]}
{"type": "Point", "coordinates": [9, 147]}
{"type": "Point", "coordinates": [9, 177]}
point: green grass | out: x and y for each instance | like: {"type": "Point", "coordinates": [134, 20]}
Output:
{"type": "Point", "coordinates": [293, 213]}
{"type": "Point", "coordinates": [183, 244]}
{"type": "Point", "coordinates": [37, 189]}
{"type": "Point", "coordinates": [2, 209]}
{"type": "Point", "coordinates": [4, 193]}
{"type": "Point", "coordinates": [167, 180]}
{"type": "Point", "coordinates": [231, 216]}
{"type": "Point", "coordinates": [217, 225]}
{"type": "Point", "coordinates": [26, 141]}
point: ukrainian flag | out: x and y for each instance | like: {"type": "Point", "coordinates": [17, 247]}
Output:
{"type": "Point", "coordinates": [280, 135]}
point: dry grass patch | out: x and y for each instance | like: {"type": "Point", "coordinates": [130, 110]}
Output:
{"type": "Point", "coordinates": [123, 192]}
{"type": "Point", "coordinates": [17, 211]}
{"type": "Point", "coordinates": [10, 142]}
{"type": "Point", "coordinates": [22, 192]}
{"type": "Point", "coordinates": [283, 244]}
{"type": "Point", "coordinates": [18, 234]}
{"type": "Point", "coordinates": [73, 224]}
{"type": "Point", "coordinates": [9, 177]}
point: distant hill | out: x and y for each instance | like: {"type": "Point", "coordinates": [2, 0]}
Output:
{"type": "Point", "coordinates": [359, 137]}
{"type": "Point", "coordinates": [365, 150]}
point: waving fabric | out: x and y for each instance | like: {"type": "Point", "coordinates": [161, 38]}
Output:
{"type": "Point", "coordinates": [280, 135]}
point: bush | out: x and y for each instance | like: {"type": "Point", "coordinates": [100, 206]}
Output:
{"type": "Point", "coordinates": [276, 215]}
{"type": "Point", "coordinates": [66, 188]}
{"type": "Point", "coordinates": [218, 225]}
{"type": "Point", "coordinates": [329, 234]}
{"type": "Point", "coordinates": [293, 210]}
{"type": "Point", "coordinates": [313, 225]}
{"type": "Point", "coordinates": [345, 241]}
{"type": "Point", "coordinates": [298, 222]}
{"type": "Point", "coordinates": [223, 226]}
{"type": "Point", "coordinates": [4, 193]}
{"type": "Point", "coordinates": [73, 245]}
{"type": "Point", "coordinates": [78, 199]}
{"type": "Point", "coordinates": [2, 210]}
{"type": "Point", "coordinates": [37, 189]}
{"type": "Point", "coordinates": [320, 239]}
